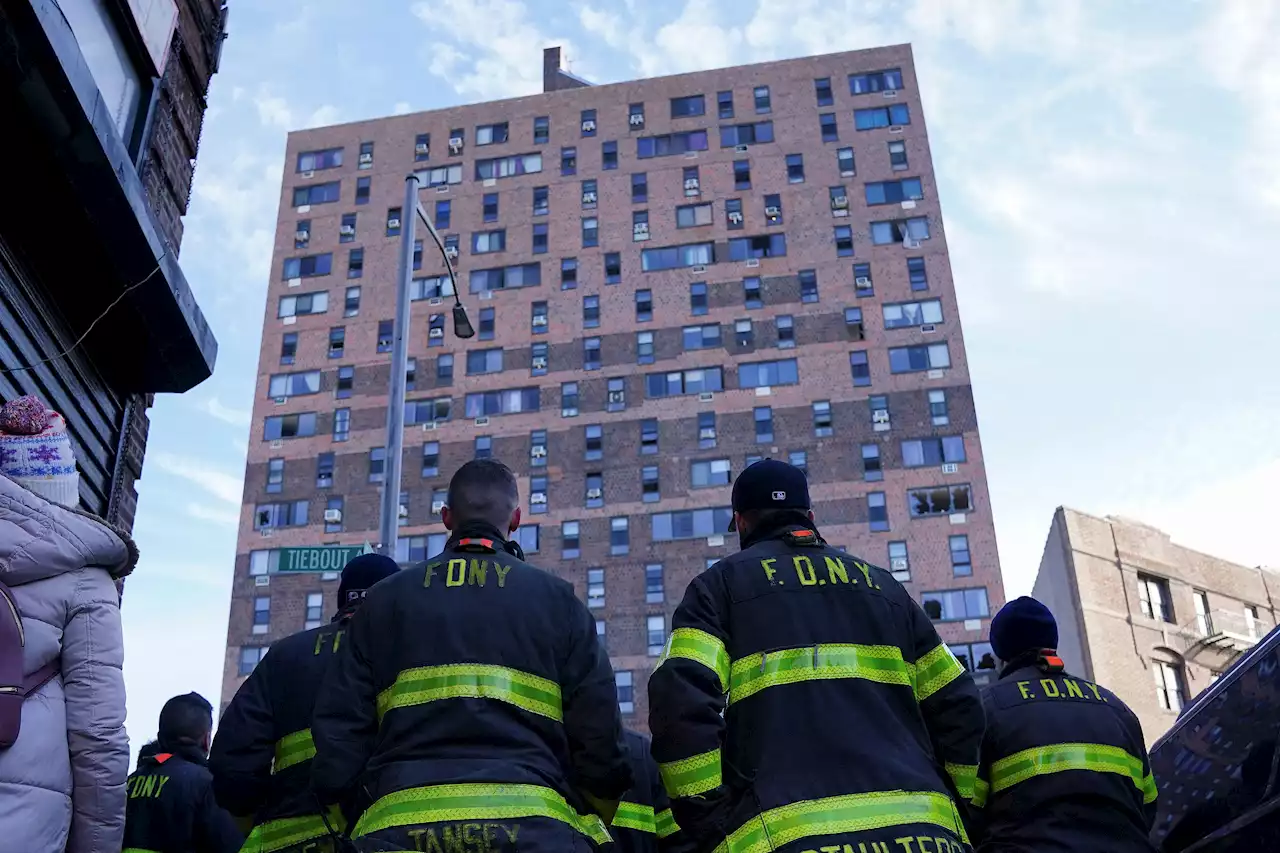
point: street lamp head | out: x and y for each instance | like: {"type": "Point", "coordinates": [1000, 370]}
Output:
{"type": "Point", "coordinates": [462, 327]}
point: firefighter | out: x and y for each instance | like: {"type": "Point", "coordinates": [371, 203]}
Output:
{"type": "Point", "coordinates": [471, 705]}
{"type": "Point", "coordinates": [261, 756]}
{"type": "Point", "coordinates": [1064, 766]}
{"type": "Point", "coordinates": [804, 701]}
{"type": "Point", "coordinates": [644, 823]}
{"type": "Point", "coordinates": [170, 796]}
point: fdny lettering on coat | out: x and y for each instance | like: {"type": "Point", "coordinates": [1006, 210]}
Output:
{"type": "Point", "coordinates": [327, 639]}
{"type": "Point", "coordinates": [461, 571]}
{"type": "Point", "coordinates": [1065, 688]}
{"type": "Point", "coordinates": [146, 786]}
{"type": "Point", "coordinates": [811, 571]}
{"type": "Point", "coordinates": [464, 837]}
{"type": "Point", "coordinates": [905, 844]}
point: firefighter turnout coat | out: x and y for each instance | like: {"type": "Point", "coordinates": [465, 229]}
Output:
{"type": "Point", "coordinates": [1064, 766]}
{"type": "Point", "coordinates": [804, 701]}
{"type": "Point", "coordinates": [472, 703]}
{"type": "Point", "coordinates": [644, 823]}
{"type": "Point", "coordinates": [171, 808]}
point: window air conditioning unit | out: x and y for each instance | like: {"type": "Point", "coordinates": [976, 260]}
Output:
{"type": "Point", "coordinates": [539, 451]}
{"type": "Point", "coordinates": [308, 175]}
{"type": "Point", "coordinates": [332, 516]}
{"type": "Point", "coordinates": [880, 416]}
{"type": "Point", "coordinates": [637, 120]}
{"type": "Point", "coordinates": [451, 252]}
{"type": "Point", "coordinates": [422, 149]}
{"type": "Point", "coordinates": [707, 434]}
{"type": "Point", "coordinates": [366, 159]}
{"type": "Point", "coordinates": [753, 262]}
{"type": "Point", "coordinates": [436, 506]}
{"type": "Point", "coordinates": [540, 320]}
{"type": "Point", "coordinates": [896, 129]}
{"type": "Point", "coordinates": [588, 198]}
{"type": "Point", "coordinates": [455, 145]}
{"type": "Point", "coordinates": [616, 396]}
{"type": "Point", "coordinates": [435, 300]}
{"type": "Point", "coordinates": [347, 231]}
{"type": "Point", "coordinates": [262, 580]}
{"type": "Point", "coordinates": [863, 281]}
{"type": "Point", "coordinates": [430, 426]}
{"type": "Point", "coordinates": [404, 511]}
{"type": "Point", "coordinates": [301, 236]}
{"type": "Point", "coordinates": [691, 184]}
{"type": "Point", "coordinates": [928, 328]}
{"type": "Point", "coordinates": [436, 333]}
{"type": "Point", "coordinates": [594, 494]}
{"type": "Point", "coordinates": [588, 126]}
{"type": "Point", "coordinates": [538, 498]}
{"type": "Point", "coordinates": [393, 223]}
{"type": "Point", "coordinates": [640, 229]}
{"type": "Point", "coordinates": [482, 421]}
{"type": "Point", "coordinates": [889, 93]}
{"type": "Point", "coordinates": [540, 363]}
{"type": "Point", "coordinates": [699, 268]}
{"type": "Point", "coordinates": [950, 467]}
{"type": "Point", "coordinates": [277, 444]}
{"type": "Point", "coordinates": [735, 218]}
{"type": "Point", "coordinates": [706, 397]}
{"type": "Point", "coordinates": [840, 202]}
{"type": "Point", "coordinates": [741, 149]}
{"type": "Point", "coordinates": [772, 210]}
{"type": "Point", "coordinates": [898, 564]}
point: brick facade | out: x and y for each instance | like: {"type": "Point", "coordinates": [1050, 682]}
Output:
{"type": "Point", "coordinates": [823, 340]}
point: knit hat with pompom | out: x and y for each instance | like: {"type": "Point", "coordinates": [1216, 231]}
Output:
{"type": "Point", "coordinates": [35, 451]}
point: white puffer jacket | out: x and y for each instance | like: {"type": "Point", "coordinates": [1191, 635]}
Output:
{"type": "Point", "coordinates": [62, 785]}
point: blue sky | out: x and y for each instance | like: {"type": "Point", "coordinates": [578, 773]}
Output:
{"type": "Point", "coordinates": [1109, 185]}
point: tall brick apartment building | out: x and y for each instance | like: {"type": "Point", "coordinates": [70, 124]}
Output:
{"type": "Point", "coordinates": [670, 278]}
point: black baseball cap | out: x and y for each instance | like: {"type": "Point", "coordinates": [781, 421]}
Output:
{"type": "Point", "coordinates": [770, 484]}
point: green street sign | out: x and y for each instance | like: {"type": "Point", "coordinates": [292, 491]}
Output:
{"type": "Point", "coordinates": [323, 558]}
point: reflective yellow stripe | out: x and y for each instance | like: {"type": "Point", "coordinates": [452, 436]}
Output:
{"type": "Point", "coordinates": [137, 850]}
{"type": "Point", "coordinates": [689, 777]}
{"type": "Point", "coordinates": [750, 675]}
{"type": "Point", "coordinates": [980, 792]}
{"type": "Point", "coordinates": [1096, 757]}
{"type": "Point", "coordinates": [453, 803]}
{"type": "Point", "coordinates": [635, 816]}
{"type": "Point", "coordinates": [294, 749]}
{"type": "Point", "coordinates": [835, 815]}
{"type": "Point", "coordinates": [964, 776]}
{"type": "Point", "coordinates": [288, 831]}
{"type": "Point", "coordinates": [472, 681]}
{"type": "Point", "coordinates": [700, 647]}
{"type": "Point", "coordinates": [666, 823]}
{"type": "Point", "coordinates": [935, 671]}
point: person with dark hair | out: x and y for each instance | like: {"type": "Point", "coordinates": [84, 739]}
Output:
{"type": "Point", "coordinates": [262, 753]}
{"type": "Point", "coordinates": [171, 804]}
{"type": "Point", "coordinates": [1064, 765]}
{"type": "Point", "coordinates": [804, 700]}
{"type": "Point", "coordinates": [471, 705]}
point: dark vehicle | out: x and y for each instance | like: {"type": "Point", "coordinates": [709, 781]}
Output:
{"type": "Point", "coordinates": [1217, 767]}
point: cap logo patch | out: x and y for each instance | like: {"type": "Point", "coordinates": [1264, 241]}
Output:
{"type": "Point", "coordinates": [779, 496]}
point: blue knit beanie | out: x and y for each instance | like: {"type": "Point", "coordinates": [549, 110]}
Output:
{"type": "Point", "coordinates": [1021, 625]}
{"type": "Point", "coordinates": [361, 573]}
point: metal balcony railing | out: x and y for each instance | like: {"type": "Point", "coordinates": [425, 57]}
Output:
{"type": "Point", "coordinates": [1215, 638]}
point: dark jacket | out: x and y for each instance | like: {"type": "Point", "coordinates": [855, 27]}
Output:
{"type": "Point", "coordinates": [261, 756]}
{"type": "Point", "coordinates": [836, 685]}
{"type": "Point", "coordinates": [1063, 766]}
{"type": "Point", "coordinates": [644, 823]}
{"type": "Point", "coordinates": [171, 808]}
{"type": "Point", "coordinates": [472, 668]}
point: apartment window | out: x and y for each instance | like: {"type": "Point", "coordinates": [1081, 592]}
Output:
{"type": "Point", "coordinates": [773, 209]}
{"type": "Point", "coordinates": [431, 459]}
{"type": "Point", "coordinates": [656, 633]}
{"type": "Point", "coordinates": [433, 410]}
{"type": "Point", "coordinates": [860, 368]}
{"type": "Point", "coordinates": [324, 470]}
{"type": "Point", "coordinates": [486, 242]}
{"type": "Point", "coordinates": [351, 303]}
{"type": "Point", "coordinates": [894, 192]}
{"type": "Point", "coordinates": [288, 347]}
{"type": "Point", "coordinates": [844, 162]}
{"type": "Point", "coordinates": [649, 436]}
{"type": "Point", "coordinates": [507, 167]}
{"type": "Point", "coordinates": [308, 266]}
{"type": "Point", "coordinates": [538, 448]}
{"type": "Point", "coordinates": [541, 201]}
{"type": "Point", "coordinates": [608, 156]}
{"type": "Point", "coordinates": [862, 283]}
{"type": "Point", "coordinates": [671, 144]}
{"type": "Point", "coordinates": [492, 134]}
{"type": "Point", "coordinates": [595, 490]}
{"type": "Point", "coordinates": [762, 246]}
{"type": "Point", "coordinates": [341, 425]}
{"type": "Point", "coordinates": [612, 268]}
{"type": "Point", "coordinates": [762, 100]}
{"type": "Point", "coordinates": [916, 274]}
{"type": "Point", "coordinates": [619, 536]}
{"type": "Point", "coordinates": [275, 476]}
{"type": "Point", "coordinates": [639, 225]}
{"type": "Point", "coordinates": [709, 472]}
{"type": "Point", "coordinates": [693, 215]}
{"type": "Point", "coordinates": [315, 161]}
{"type": "Point", "coordinates": [486, 324]}
{"type": "Point", "coordinates": [484, 361]}
{"type": "Point", "coordinates": [347, 228]}
{"type": "Point", "coordinates": [875, 81]}
{"type": "Point", "coordinates": [752, 296]}
{"type": "Point", "coordinates": [422, 147]}
{"type": "Point", "coordinates": [538, 318]}
{"type": "Point", "coordinates": [768, 373]}
{"type": "Point", "coordinates": [1251, 621]}
{"type": "Point", "coordinates": [590, 312]}
{"type": "Point", "coordinates": [617, 394]}
{"type": "Point", "coordinates": [784, 327]}
{"type": "Point", "coordinates": [444, 370]}
{"type": "Point", "coordinates": [954, 605]}
{"type": "Point", "coordinates": [294, 384]}
{"type": "Point", "coordinates": [763, 417]}
{"type": "Point", "coordinates": [742, 174]}
{"type": "Point", "coordinates": [917, 358]}
{"type": "Point", "coordinates": [828, 127]}
{"type": "Point", "coordinates": [822, 419]}
{"type": "Point", "coordinates": [853, 323]}
{"type": "Point", "coordinates": [302, 234]}
{"type": "Point", "coordinates": [590, 196]}
{"type": "Point", "coordinates": [377, 464]}
{"type": "Point", "coordinates": [289, 426]}
{"type": "Point", "coordinates": [568, 273]}
{"type": "Point", "coordinates": [872, 471]}
{"type": "Point", "coordinates": [1153, 595]}
{"type": "Point", "coordinates": [921, 452]}
{"type": "Point", "coordinates": [706, 430]}
{"type": "Point", "coordinates": [877, 512]}
{"type": "Point", "coordinates": [441, 175]}
{"type": "Point", "coordinates": [698, 298]}
{"type": "Point", "coordinates": [289, 514]}
{"type": "Point", "coordinates": [538, 359]}
{"type": "Point", "coordinates": [571, 542]}
{"type": "Point", "coordinates": [808, 285]}
{"type": "Point", "coordinates": [635, 116]}
{"type": "Point", "coordinates": [822, 90]}
{"type": "Point", "coordinates": [362, 190]}
{"type": "Point", "coordinates": [595, 587]}
{"type": "Point", "coordinates": [799, 459]}
{"type": "Point", "coordinates": [938, 407]}
{"type": "Point", "coordinates": [844, 240]}
{"type": "Point", "coordinates": [345, 383]}
{"type": "Point", "coordinates": [690, 105]}
{"type": "Point", "coordinates": [568, 161]}
{"type": "Point", "coordinates": [894, 115]}
{"type": "Point", "coordinates": [676, 383]}
{"type": "Point", "coordinates": [1170, 684]}
{"type": "Point", "coordinates": [701, 337]}
{"type": "Point", "coordinates": [510, 401]}
{"type": "Point", "coordinates": [332, 524]}
{"type": "Point", "coordinates": [654, 587]}
{"type": "Point", "coordinates": [314, 611]}
{"type": "Point", "coordinates": [650, 490]}
{"type": "Point", "coordinates": [639, 188]}
{"type": "Point", "coordinates": [490, 207]}
{"type": "Point", "coordinates": [568, 399]}
{"type": "Point", "coordinates": [644, 348]}
{"type": "Point", "coordinates": [386, 335]}
{"type": "Point", "coordinates": [594, 435]}
{"type": "Point", "coordinates": [939, 500]}
{"type": "Point", "coordinates": [251, 656]}
{"type": "Point", "coordinates": [898, 156]}
{"type": "Point", "coordinates": [744, 334]}
{"type": "Point", "coordinates": [724, 104]}
{"type": "Point", "coordinates": [590, 232]}
{"type": "Point", "coordinates": [435, 330]}
{"type": "Point", "coordinates": [908, 232]}
{"type": "Point", "coordinates": [899, 562]}
{"type": "Point", "coordinates": [540, 238]}
{"type": "Point", "coordinates": [689, 524]}
{"type": "Point", "coordinates": [795, 168]}
{"type": "Point", "coordinates": [961, 564]}
{"type": "Point", "coordinates": [541, 130]}
{"type": "Point", "coordinates": [316, 194]}
{"type": "Point", "coordinates": [626, 691]}
{"type": "Point", "coordinates": [537, 495]}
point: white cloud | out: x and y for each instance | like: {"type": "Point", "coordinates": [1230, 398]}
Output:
{"type": "Point", "coordinates": [217, 482]}
{"type": "Point", "coordinates": [275, 111]}
{"type": "Point", "coordinates": [692, 42]}
{"type": "Point", "coordinates": [223, 516]}
{"type": "Point", "coordinates": [213, 407]}
{"type": "Point", "coordinates": [401, 108]}
{"type": "Point", "coordinates": [234, 218]}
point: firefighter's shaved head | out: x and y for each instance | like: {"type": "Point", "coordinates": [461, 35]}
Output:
{"type": "Point", "coordinates": [483, 490]}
